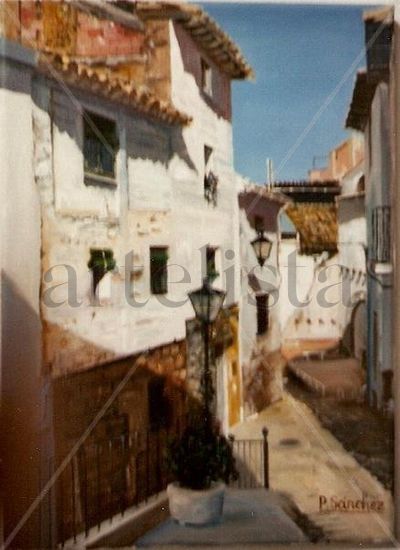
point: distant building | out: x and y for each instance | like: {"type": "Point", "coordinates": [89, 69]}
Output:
{"type": "Point", "coordinates": [370, 113]}
{"type": "Point", "coordinates": [340, 160]}
{"type": "Point", "coordinates": [260, 301]}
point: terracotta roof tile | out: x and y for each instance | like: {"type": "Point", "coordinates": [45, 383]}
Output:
{"type": "Point", "coordinates": [102, 81]}
{"type": "Point", "coordinates": [316, 224]}
{"type": "Point", "coordinates": [363, 94]}
{"type": "Point", "coordinates": [204, 31]}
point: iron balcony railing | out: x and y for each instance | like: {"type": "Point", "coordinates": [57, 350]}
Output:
{"type": "Point", "coordinates": [105, 478]}
{"type": "Point", "coordinates": [381, 234]}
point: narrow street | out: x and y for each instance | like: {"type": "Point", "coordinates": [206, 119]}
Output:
{"type": "Point", "coordinates": [308, 463]}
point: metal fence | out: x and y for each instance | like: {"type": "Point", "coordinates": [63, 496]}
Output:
{"type": "Point", "coordinates": [252, 461]}
{"type": "Point", "coordinates": [106, 477]}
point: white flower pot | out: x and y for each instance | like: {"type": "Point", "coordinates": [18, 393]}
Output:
{"type": "Point", "coordinates": [189, 507]}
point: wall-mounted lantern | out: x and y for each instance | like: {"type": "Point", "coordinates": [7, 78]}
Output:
{"type": "Point", "coordinates": [262, 247]}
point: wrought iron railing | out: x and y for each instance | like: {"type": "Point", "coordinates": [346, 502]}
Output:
{"type": "Point", "coordinates": [252, 462]}
{"type": "Point", "coordinates": [211, 188]}
{"type": "Point", "coordinates": [381, 234]}
{"type": "Point", "coordinates": [99, 159]}
{"type": "Point", "coordinates": [106, 477]}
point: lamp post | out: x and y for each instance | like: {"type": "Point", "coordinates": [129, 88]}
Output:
{"type": "Point", "coordinates": [207, 303]}
{"type": "Point", "coordinates": [262, 247]}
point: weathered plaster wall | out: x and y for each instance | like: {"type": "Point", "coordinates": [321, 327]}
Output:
{"type": "Point", "coordinates": [220, 83]}
{"type": "Point", "coordinates": [260, 387]}
{"type": "Point", "coordinates": [158, 200]}
{"type": "Point", "coordinates": [269, 278]}
{"type": "Point", "coordinates": [377, 193]}
{"type": "Point", "coordinates": [22, 414]}
{"type": "Point", "coordinates": [321, 313]}
{"type": "Point", "coordinates": [297, 275]}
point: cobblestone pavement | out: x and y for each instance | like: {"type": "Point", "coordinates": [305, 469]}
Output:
{"type": "Point", "coordinates": [365, 432]}
{"type": "Point", "coordinates": [326, 483]}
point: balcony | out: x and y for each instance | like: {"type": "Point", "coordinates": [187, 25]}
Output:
{"type": "Point", "coordinates": [211, 188]}
{"type": "Point", "coordinates": [381, 240]}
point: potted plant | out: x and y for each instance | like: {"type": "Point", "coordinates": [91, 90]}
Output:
{"type": "Point", "coordinates": [202, 462]}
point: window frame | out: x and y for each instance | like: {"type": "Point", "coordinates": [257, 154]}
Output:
{"type": "Point", "coordinates": [211, 261]}
{"type": "Point", "coordinates": [158, 286]}
{"type": "Point", "coordinates": [92, 176]}
{"type": "Point", "coordinates": [101, 261]}
{"type": "Point", "coordinates": [206, 78]}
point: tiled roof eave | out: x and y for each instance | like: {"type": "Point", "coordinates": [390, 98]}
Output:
{"type": "Point", "coordinates": [204, 31]}
{"type": "Point", "coordinates": [84, 77]}
{"type": "Point", "coordinates": [363, 95]}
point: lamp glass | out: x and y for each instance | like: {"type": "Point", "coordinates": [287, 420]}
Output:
{"type": "Point", "coordinates": [207, 302]}
{"type": "Point", "coordinates": [262, 248]}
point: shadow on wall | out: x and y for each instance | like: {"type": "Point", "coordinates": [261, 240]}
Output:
{"type": "Point", "coordinates": [353, 339]}
{"type": "Point", "coordinates": [122, 462]}
{"type": "Point", "coordinates": [147, 139]}
{"type": "Point", "coordinates": [22, 413]}
{"type": "Point", "coordinates": [263, 383]}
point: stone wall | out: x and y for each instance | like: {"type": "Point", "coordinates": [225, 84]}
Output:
{"type": "Point", "coordinates": [121, 462]}
{"type": "Point", "coordinates": [78, 397]}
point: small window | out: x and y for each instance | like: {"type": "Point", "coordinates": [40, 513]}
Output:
{"type": "Point", "coordinates": [206, 78]}
{"type": "Point", "coordinates": [158, 270]}
{"type": "Point", "coordinates": [262, 314]}
{"type": "Point", "coordinates": [212, 272]}
{"type": "Point", "coordinates": [208, 151]}
{"type": "Point", "coordinates": [101, 262]}
{"type": "Point", "coordinates": [100, 145]}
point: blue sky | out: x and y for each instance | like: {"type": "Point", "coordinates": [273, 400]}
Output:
{"type": "Point", "coordinates": [300, 54]}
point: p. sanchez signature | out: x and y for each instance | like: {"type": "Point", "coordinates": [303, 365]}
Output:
{"type": "Point", "coordinates": [344, 504]}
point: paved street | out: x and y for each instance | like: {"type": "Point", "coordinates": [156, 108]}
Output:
{"type": "Point", "coordinates": [312, 467]}
{"type": "Point", "coordinates": [250, 517]}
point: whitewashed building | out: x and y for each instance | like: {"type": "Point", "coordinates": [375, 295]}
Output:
{"type": "Point", "coordinates": [260, 306]}
{"type": "Point", "coordinates": [370, 113]}
{"type": "Point", "coordinates": [125, 182]}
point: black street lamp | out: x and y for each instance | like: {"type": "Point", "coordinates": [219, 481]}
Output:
{"type": "Point", "coordinates": [262, 247]}
{"type": "Point", "coordinates": [207, 303]}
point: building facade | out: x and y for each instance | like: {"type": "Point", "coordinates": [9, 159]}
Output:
{"type": "Point", "coordinates": [370, 113]}
{"type": "Point", "coordinates": [260, 301]}
{"type": "Point", "coordinates": [134, 202]}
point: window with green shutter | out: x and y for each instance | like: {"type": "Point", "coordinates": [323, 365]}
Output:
{"type": "Point", "coordinates": [158, 270]}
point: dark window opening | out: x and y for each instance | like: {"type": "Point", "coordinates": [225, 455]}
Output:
{"type": "Point", "coordinates": [208, 151]}
{"type": "Point", "coordinates": [158, 270]}
{"type": "Point", "coordinates": [212, 272]}
{"type": "Point", "coordinates": [101, 261]}
{"type": "Point", "coordinates": [206, 78]}
{"type": "Point", "coordinates": [100, 144]}
{"type": "Point", "coordinates": [158, 404]}
{"type": "Point", "coordinates": [387, 377]}
{"type": "Point", "coordinates": [262, 314]}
